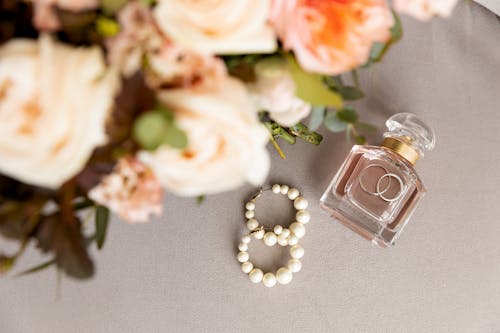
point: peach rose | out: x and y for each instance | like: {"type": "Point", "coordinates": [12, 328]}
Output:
{"type": "Point", "coordinates": [217, 26]}
{"type": "Point", "coordinates": [54, 102]}
{"type": "Point", "coordinates": [331, 36]}
{"type": "Point", "coordinates": [45, 17]}
{"type": "Point", "coordinates": [226, 142]}
{"type": "Point", "coordinates": [425, 9]}
{"type": "Point", "coordinates": [131, 191]}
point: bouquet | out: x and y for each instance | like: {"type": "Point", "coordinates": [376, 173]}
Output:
{"type": "Point", "coordinates": [104, 105]}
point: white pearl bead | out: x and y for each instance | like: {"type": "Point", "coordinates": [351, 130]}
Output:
{"type": "Point", "coordinates": [276, 188]}
{"type": "Point", "coordinates": [252, 224]}
{"type": "Point", "coordinates": [246, 239]}
{"type": "Point", "coordinates": [294, 265]}
{"type": "Point", "coordinates": [298, 229]}
{"type": "Point", "coordinates": [297, 251]}
{"type": "Point", "coordinates": [243, 256]}
{"type": "Point", "coordinates": [293, 193]}
{"type": "Point", "coordinates": [250, 205]}
{"type": "Point", "coordinates": [259, 234]}
{"type": "Point", "coordinates": [243, 246]}
{"type": "Point", "coordinates": [270, 238]}
{"type": "Point", "coordinates": [278, 229]}
{"type": "Point", "coordinates": [256, 275]}
{"type": "Point", "coordinates": [282, 240]}
{"type": "Point", "coordinates": [269, 280]}
{"type": "Point", "coordinates": [285, 232]}
{"type": "Point", "coordinates": [246, 267]}
{"type": "Point", "coordinates": [303, 216]}
{"type": "Point", "coordinates": [249, 214]}
{"type": "Point", "coordinates": [300, 203]}
{"type": "Point", "coordinates": [284, 275]}
{"type": "Point", "coordinates": [284, 189]}
{"type": "Point", "coordinates": [292, 240]}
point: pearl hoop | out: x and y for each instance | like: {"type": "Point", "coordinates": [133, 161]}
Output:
{"type": "Point", "coordinates": [278, 235]}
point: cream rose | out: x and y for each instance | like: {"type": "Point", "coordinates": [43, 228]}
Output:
{"type": "Point", "coordinates": [425, 9]}
{"type": "Point", "coordinates": [218, 26]}
{"type": "Point", "coordinates": [226, 142]}
{"type": "Point", "coordinates": [54, 101]}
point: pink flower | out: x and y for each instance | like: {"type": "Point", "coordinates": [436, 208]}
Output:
{"type": "Point", "coordinates": [169, 65]}
{"type": "Point", "coordinates": [425, 9]}
{"type": "Point", "coordinates": [131, 191]}
{"type": "Point", "coordinates": [45, 17]}
{"type": "Point", "coordinates": [331, 36]}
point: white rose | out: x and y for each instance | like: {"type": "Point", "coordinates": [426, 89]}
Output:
{"type": "Point", "coordinates": [274, 91]}
{"type": "Point", "coordinates": [425, 9]}
{"type": "Point", "coordinates": [218, 26]}
{"type": "Point", "coordinates": [54, 101]}
{"type": "Point", "coordinates": [226, 142]}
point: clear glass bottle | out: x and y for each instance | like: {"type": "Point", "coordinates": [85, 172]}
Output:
{"type": "Point", "coordinates": [376, 190]}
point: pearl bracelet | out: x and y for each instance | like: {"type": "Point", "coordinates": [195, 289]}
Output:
{"type": "Point", "coordinates": [283, 236]}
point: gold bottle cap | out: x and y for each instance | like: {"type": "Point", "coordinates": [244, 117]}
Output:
{"type": "Point", "coordinates": [401, 148]}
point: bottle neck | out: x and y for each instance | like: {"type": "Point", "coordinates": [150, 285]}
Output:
{"type": "Point", "coordinates": [401, 148]}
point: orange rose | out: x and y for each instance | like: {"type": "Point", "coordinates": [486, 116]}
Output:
{"type": "Point", "coordinates": [331, 36]}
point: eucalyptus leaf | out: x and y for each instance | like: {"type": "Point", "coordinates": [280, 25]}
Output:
{"type": "Point", "coordinates": [107, 27]}
{"type": "Point", "coordinates": [101, 225]}
{"type": "Point", "coordinates": [333, 123]}
{"type": "Point", "coordinates": [348, 115]}
{"type": "Point", "coordinates": [149, 129]}
{"type": "Point", "coordinates": [366, 127]}
{"type": "Point", "coordinates": [350, 93]}
{"type": "Point", "coordinates": [359, 139]}
{"type": "Point", "coordinates": [175, 137]}
{"type": "Point", "coordinates": [317, 116]}
{"type": "Point", "coordinates": [310, 87]}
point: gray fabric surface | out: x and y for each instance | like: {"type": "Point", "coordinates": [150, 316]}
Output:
{"type": "Point", "coordinates": [179, 273]}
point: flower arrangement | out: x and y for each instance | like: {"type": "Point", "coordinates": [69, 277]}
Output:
{"type": "Point", "coordinates": [106, 104]}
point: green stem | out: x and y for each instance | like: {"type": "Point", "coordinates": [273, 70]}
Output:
{"type": "Point", "coordinates": [277, 147]}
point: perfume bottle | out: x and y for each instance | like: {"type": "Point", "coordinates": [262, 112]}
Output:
{"type": "Point", "coordinates": [377, 189]}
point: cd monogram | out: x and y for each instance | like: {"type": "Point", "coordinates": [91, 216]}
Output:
{"type": "Point", "coordinates": [383, 184]}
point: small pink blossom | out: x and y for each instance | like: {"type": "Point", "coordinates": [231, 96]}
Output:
{"type": "Point", "coordinates": [168, 65]}
{"type": "Point", "coordinates": [45, 17]}
{"type": "Point", "coordinates": [131, 191]}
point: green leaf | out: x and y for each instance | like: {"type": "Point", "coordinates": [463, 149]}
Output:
{"type": "Point", "coordinates": [200, 199]}
{"type": "Point", "coordinates": [175, 137]}
{"type": "Point", "coordinates": [300, 130]}
{"type": "Point", "coordinates": [110, 7]}
{"type": "Point", "coordinates": [107, 27]}
{"type": "Point", "coordinates": [359, 139]}
{"type": "Point", "coordinates": [310, 87]}
{"type": "Point", "coordinates": [351, 93]}
{"type": "Point", "coordinates": [366, 127]}
{"type": "Point", "coordinates": [397, 28]}
{"type": "Point", "coordinates": [317, 116]}
{"type": "Point", "coordinates": [333, 123]}
{"type": "Point", "coordinates": [377, 51]}
{"type": "Point", "coordinates": [6, 263]}
{"type": "Point", "coordinates": [101, 225]}
{"type": "Point", "coordinates": [149, 129]}
{"type": "Point", "coordinates": [287, 137]}
{"type": "Point", "coordinates": [348, 115]}
{"type": "Point", "coordinates": [37, 268]}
